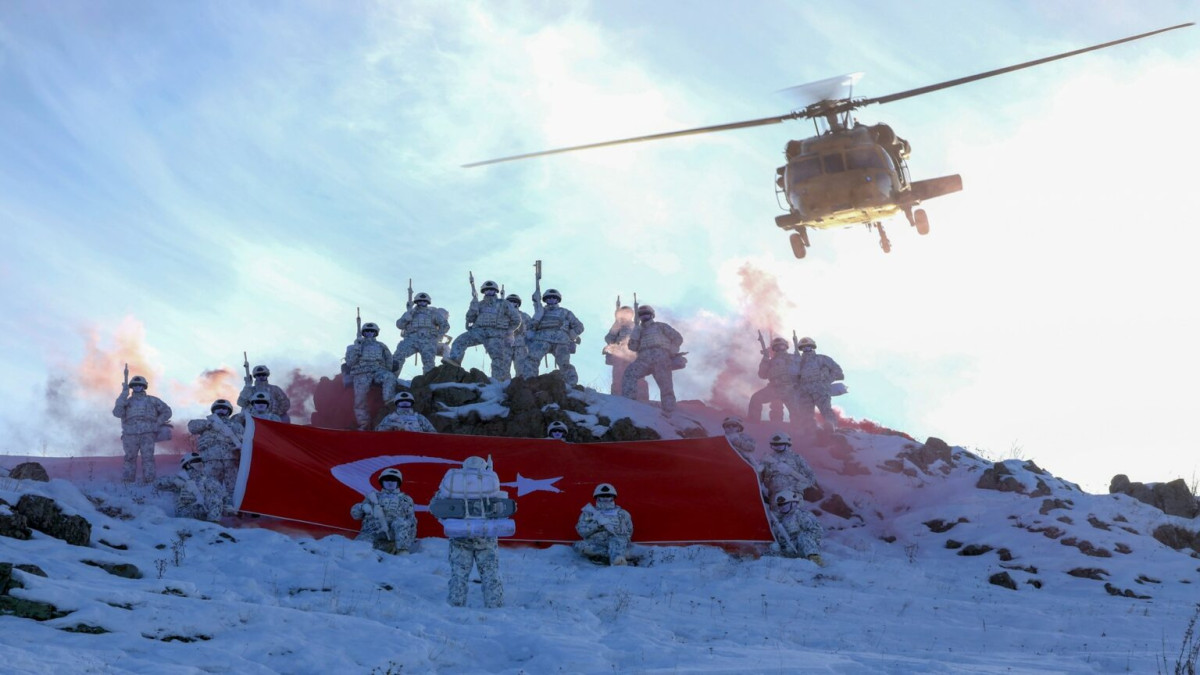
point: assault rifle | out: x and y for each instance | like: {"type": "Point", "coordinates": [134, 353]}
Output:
{"type": "Point", "coordinates": [125, 386]}
{"type": "Point", "coordinates": [408, 305]}
{"type": "Point", "coordinates": [471, 278]}
{"type": "Point", "coordinates": [246, 367]}
{"type": "Point", "coordinates": [795, 341]}
{"type": "Point", "coordinates": [537, 283]}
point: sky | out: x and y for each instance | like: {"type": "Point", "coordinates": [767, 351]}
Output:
{"type": "Point", "coordinates": [182, 182]}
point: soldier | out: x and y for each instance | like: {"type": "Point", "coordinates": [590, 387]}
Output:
{"type": "Point", "coordinates": [785, 470]}
{"type": "Point", "coordinates": [260, 409]}
{"type": "Point", "coordinates": [554, 330]}
{"type": "Point", "coordinates": [616, 352]}
{"type": "Point", "coordinates": [796, 530]}
{"type": "Point", "coordinates": [491, 322]}
{"type": "Point", "coordinates": [605, 527]}
{"type": "Point", "coordinates": [142, 416]}
{"type": "Point", "coordinates": [200, 496]}
{"type": "Point", "coordinates": [778, 367]}
{"type": "Point", "coordinates": [475, 481]}
{"type": "Point", "coordinates": [369, 362]}
{"type": "Point", "coordinates": [279, 400]}
{"type": "Point", "coordinates": [520, 349]}
{"type": "Point", "coordinates": [657, 346]}
{"type": "Point", "coordinates": [738, 438]}
{"type": "Point", "coordinates": [816, 373]}
{"type": "Point", "coordinates": [421, 331]}
{"type": "Point", "coordinates": [404, 418]}
{"type": "Point", "coordinates": [557, 431]}
{"type": "Point", "coordinates": [219, 442]}
{"type": "Point", "coordinates": [388, 518]}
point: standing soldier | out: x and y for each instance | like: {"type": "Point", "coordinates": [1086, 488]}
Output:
{"type": "Point", "coordinates": [520, 349]}
{"type": "Point", "coordinates": [369, 362]}
{"type": "Point", "coordinates": [475, 486]}
{"type": "Point", "coordinates": [141, 416]}
{"type": "Point", "coordinates": [491, 322]}
{"type": "Point", "coordinates": [404, 418]}
{"type": "Point", "coordinates": [778, 368]}
{"type": "Point", "coordinates": [605, 527]}
{"type": "Point", "coordinates": [657, 347]}
{"type": "Point", "coordinates": [421, 331]}
{"type": "Point", "coordinates": [388, 517]}
{"type": "Point", "coordinates": [616, 351]}
{"type": "Point", "coordinates": [279, 400]}
{"type": "Point", "coordinates": [219, 442]}
{"type": "Point", "coordinates": [816, 372]}
{"type": "Point", "coordinates": [554, 330]}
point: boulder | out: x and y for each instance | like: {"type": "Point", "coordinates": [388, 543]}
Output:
{"type": "Point", "coordinates": [44, 515]}
{"type": "Point", "coordinates": [1174, 498]}
{"type": "Point", "coordinates": [29, 471]}
{"type": "Point", "coordinates": [12, 523]}
{"type": "Point", "coordinates": [1003, 579]}
{"type": "Point", "coordinates": [1001, 478]}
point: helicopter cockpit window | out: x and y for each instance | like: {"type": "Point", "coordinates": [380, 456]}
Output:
{"type": "Point", "coordinates": [833, 163]}
{"type": "Point", "coordinates": [865, 158]}
{"type": "Point", "coordinates": [804, 168]}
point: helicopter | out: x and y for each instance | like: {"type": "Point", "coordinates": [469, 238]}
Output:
{"type": "Point", "coordinates": [849, 173]}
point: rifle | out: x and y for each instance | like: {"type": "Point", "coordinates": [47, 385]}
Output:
{"type": "Point", "coordinates": [358, 320]}
{"type": "Point", "coordinates": [786, 546]}
{"type": "Point", "coordinates": [126, 384]}
{"type": "Point", "coordinates": [635, 306]}
{"type": "Point", "coordinates": [795, 341]}
{"type": "Point", "coordinates": [471, 278]}
{"type": "Point", "coordinates": [537, 283]}
{"type": "Point", "coordinates": [762, 343]}
{"type": "Point", "coordinates": [618, 307]}
{"type": "Point", "coordinates": [246, 366]}
{"type": "Point", "coordinates": [408, 305]}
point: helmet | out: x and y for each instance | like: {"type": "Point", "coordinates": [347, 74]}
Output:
{"type": "Point", "coordinates": [260, 397]}
{"type": "Point", "coordinates": [514, 299]}
{"type": "Point", "coordinates": [785, 497]}
{"type": "Point", "coordinates": [422, 297]}
{"type": "Point", "coordinates": [221, 403]}
{"type": "Point", "coordinates": [137, 380]}
{"type": "Point", "coordinates": [189, 458]}
{"type": "Point", "coordinates": [604, 490]}
{"type": "Point", "coordinates": [391, 474]}
{"type": "Point", "coordinates": [556, 426]}
{"type": "Point", "coordinates": [808, 342]}
{"type": "Point", "coordinates": [262, 370]}
{"type": "Point", "coordinates": [551, 293]}
{"type": "Point", "coordinates": [368, 326]}
{"type": "Point", "coordinates": [779, 342]}
{"type": "Point", "coordinates": [781, 439]}
{"type": "Point", "coordinates": [733, 421]}
{"type": "Point", "coordinates": [646, 309]}
{"type": "Point", "coordinates": [489, 286]}
{"type": "Point", "coordinates": [474, 463]}
{"type": "Point", "coordinates": [403, 396]}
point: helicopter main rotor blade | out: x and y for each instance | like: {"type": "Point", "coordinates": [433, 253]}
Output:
{"type": "Point", "coordinates": [652, 137]}
{"type": "Point", "coordinates": [1000, 71]}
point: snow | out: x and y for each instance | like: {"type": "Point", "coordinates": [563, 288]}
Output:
{"type": "Point", "coordinates": [891, 598]}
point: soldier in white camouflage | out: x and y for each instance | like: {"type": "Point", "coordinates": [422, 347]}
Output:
{"type": "Point", "coordinates": [491, 322]}
{"type": "Point", "coordinates": [260, 383]}
{"type": "Point", "coordinates": [520, 348]}
{"type": "Point", "coordinates": [554, 330]}
{"type": "Point", "coordinates": [388, 517]}
{"type": "Point", "coordinates": [557, 431]}
{"type": "Point", "coordinates": [369, 362]}
{"type": "Point", "coordinates": [468, 552]}
{"type": "Point", "coordinates": [796, 530]}
{"type": "Point", "coordinates": [736, 434]}
{"type": "Point", "coordinates": [656, 345]}
{"type": "Point", "coordinates": [141, 417]}
{"type": "Point", "coordinates": [816, 372]}
{"type": "Point", "coordinates": [404, 418]}
{"type": "Point", "coordinates": [778, 367]}
{"type": "Point", "coordinates": [200, 496]}
{"type": "Point", "coordinates": [605, 527]}
{"type": "Point", "coordinates": [421, 331]}
{"type": "Point", "coordinates": [219, 442]}
{"type": "Point", "coordinates": [616, 351]}
{"type": "Point", "coordinates": [784, 470]}
{"type": "Point", "coordinates": [260, 409]}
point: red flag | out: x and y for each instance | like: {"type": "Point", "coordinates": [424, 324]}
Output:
{"type": "Point", "coordinates": [678, 491]}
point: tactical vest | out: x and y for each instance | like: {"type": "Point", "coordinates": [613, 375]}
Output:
{"type": "Point", "coordinates": [491, 315]}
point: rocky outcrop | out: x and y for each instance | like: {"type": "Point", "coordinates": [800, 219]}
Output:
{"type": "Point", "coordinates": [44, 515]}
{"type": "Point", "coordinates": [19, 607]}
{"type": "Point", "coordinates": [29, 471]}
{"type": "Point", "coordinates": [1001, 478]}
{"type": "Point", "coordinates": [1174, 498]}
{"type": "Point", "coordinates": [1177, 537]}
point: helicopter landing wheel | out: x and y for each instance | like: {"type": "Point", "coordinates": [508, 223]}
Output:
{"type": "Point", "coordinates": [884, 242]}
{"type": "Point", "coordinates": [921, 221]}
{"type": "Point", "coordinates": [799, 247]}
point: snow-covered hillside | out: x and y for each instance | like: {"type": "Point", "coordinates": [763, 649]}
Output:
{"type": "Point", "coordinates": [912, 550]}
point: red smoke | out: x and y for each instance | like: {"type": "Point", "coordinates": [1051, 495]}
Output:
{"type": "Point", "coordinates": [100, 373]}
{"type": "Point", "coordinates": [867, 426]}
{"type": "Point", "coordinates": [300, 389]}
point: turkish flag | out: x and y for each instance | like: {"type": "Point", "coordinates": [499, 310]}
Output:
{"type": "Point", "coordinates": [678, 491]}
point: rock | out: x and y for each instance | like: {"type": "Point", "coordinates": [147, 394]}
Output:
{"type": "Point", "coordinates": [29, 471]}
{"type": "Point", "coordinates": [1127, 593]}
{"type": "Point", "coordinates": [975, 549]}
{"type": "Point", "coordinates": [1001, 478]}
{"type": "Point", "coordinates": [1174, 498]}
{"type": "Point", "coordinates": [1049, 505]}
{"type": "Point", "coordinates": [12, 523]}
{"type": "Point", "coordinates": [1097, 523]}
{"type": "Point", "coordinates": [937, 525]}
{"type": "Point", "coordinates": [953, 544]}
{"type": "Point", "coordinates": [624, 430]}
{"type": "Point", "coordinates": [124, 570]}
{"type": "Point", "coordinates": [1003, 579]}
{"type": "Point", "coordinates": [1177, 537]}
{"type": "Point", "coordinates": [1094, 573]}
{"type": "Point", "coordinates": [44, 515]}
{"type": "Point", "coordinates": [838, 507]}
{"type": "Point", "coordinates": [25, 609]}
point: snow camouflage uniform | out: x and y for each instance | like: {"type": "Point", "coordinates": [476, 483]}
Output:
{"type": "Point", "coordinates": [816, 373]}
{"type": "Point", "coordinates": [605, 532]}
{"type": "Point", "coordinates": [219, 442]}
{"type": "Point", "coordinates": [616, 353]}
{"type": "Point", "coordinates": [369, 362]}
{"type": "Point", "coordinates": [800, 529]}
{"type": "Point", "coordinates": [491, 323]}
{"type": "Point", "coordinates": [280, 404]}
{"type": "Point", "coordinates": [421, 331]}
{"type": "Point", "coordinates": [655, 344]}
{"type": "Point", "coordinates": [779, 370]}
{"type": "Point", "coordinates": [389, 521]}
{"type": "Point", "coordinates": [520, 348]}
{"type": "Point", "coordinates": [739, 439]}
{"type": "Point", "coordinates": [785, 470]}
{"type": "Point", "coordinates": [553, 331]}
{"type": "Point", "coordinates": [466, 552]}
{"type": "Point", "coordinates": [200, 496]}
{"type": "Point", "coordinates": [406, 419]}
{"type": "Point", "coordinates": [141, 417]}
